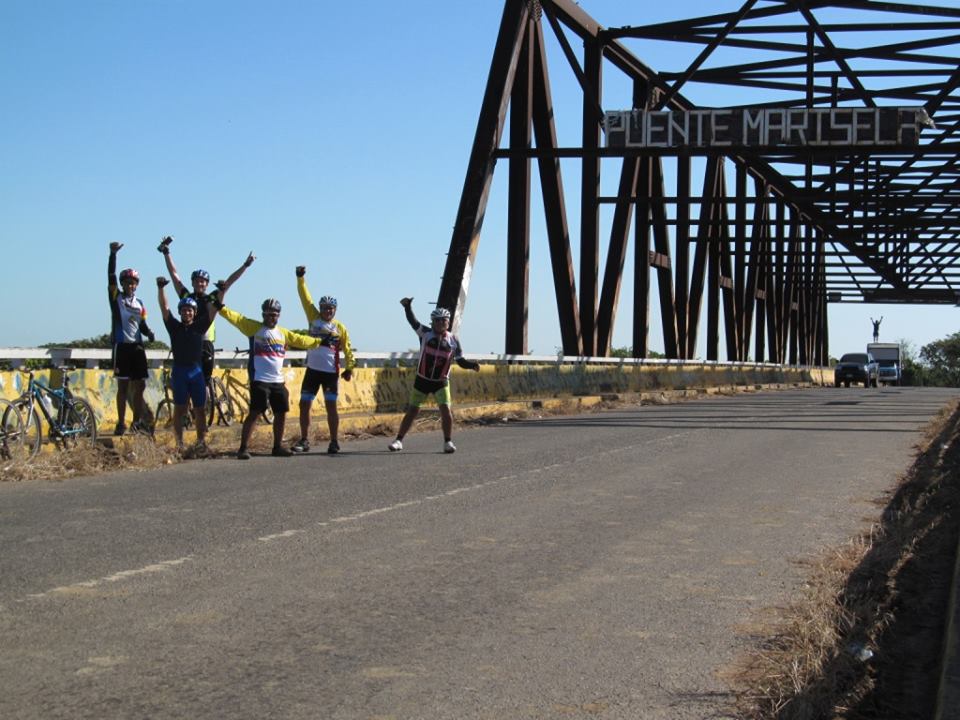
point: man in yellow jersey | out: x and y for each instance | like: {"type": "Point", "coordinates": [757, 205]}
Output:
{"type": "Point", "coordinates": [268, 348]}
{"type": "Point", "coordinates": [323, 364]}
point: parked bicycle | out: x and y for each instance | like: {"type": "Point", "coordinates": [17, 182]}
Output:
{"type": "Point", "coordinates": [70, 420]}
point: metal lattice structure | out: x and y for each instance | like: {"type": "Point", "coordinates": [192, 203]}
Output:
{"type": "Point", "coordinates": [764, 236]}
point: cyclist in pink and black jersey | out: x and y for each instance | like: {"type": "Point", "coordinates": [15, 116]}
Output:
{"type": "Point", "coordinates": [439, 349]}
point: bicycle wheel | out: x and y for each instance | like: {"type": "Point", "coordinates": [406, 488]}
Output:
{"type": "Point", "coordinates": [79, 423]}
{"type": "Point", "coordinates": [11, 432]}
{"type": "Point", "coordinates": [32, 435]}
{"type": "Point", "coordinates": [164, 416]}
{"type": "Point", "coordinates": [220, 404]}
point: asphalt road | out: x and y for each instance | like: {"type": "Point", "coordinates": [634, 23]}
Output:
{"type": "Point", "coordinates": [591, 566]}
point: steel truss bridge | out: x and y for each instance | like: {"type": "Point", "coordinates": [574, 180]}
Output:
{"type": "Point", "coordinates": [764, 236]}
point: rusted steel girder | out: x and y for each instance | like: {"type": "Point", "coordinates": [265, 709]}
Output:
{"type": "Point", "coordinates": [761, 257]}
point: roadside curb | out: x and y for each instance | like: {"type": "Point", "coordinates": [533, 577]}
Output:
{"type": "Point", "coordinates": [386, 423]}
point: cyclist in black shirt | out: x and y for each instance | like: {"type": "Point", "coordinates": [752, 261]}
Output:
{"type": "Point", "coordinates": [186, 379]}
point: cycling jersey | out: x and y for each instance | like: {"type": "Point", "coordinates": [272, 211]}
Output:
{"type": "Point", "coordinates": [268, 346]}
{"type": "Point", "coordinates": [437, 351]}
{"type": "Point", "coordinates": [186, 341]}
{"type": "Point", "coordinates": [128, 314]}
{"type": "Point", "coordinates": [202, 299]}
{"type": "Point", "coordinates": [333, 336]}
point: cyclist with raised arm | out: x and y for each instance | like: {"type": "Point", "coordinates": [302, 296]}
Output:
{"type": "Point", "coordinates": [128, 329]}
{"type": "Point", "coordinates": [323, 364]}
{"type": "Point", "coordinates": [186, 379]}
{"type": "Point", "coordinates": [439, 348]}
{"type": "Point", "coordinates": [200, 282]}
{"type": "Point", "coordinates": [268, 348]}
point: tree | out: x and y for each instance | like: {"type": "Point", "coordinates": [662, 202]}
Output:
{"type": "Point", "coordinates": [627, 352]}
{"type": "Point", "coordinates": [942, 358]}
{"type": "Point", "coordinates": [912, 371]}
{"type": "Point", "coordinates": [102, 342]}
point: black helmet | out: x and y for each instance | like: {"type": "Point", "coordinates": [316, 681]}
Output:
{"type": "Point", "coordinates": [270, 305]}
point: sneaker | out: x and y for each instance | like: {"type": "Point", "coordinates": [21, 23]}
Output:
{"type": "Point", "coordinates": [301, 446]}
{"type": "Point", "coordinates": [243, 454]}
{"type": "Point", "coordinates": [333, 448]}
{"type": "Point", "coordinates": [449, 447]}
{"type": "Point", "coordinates": [395, 446]}
{"type": "Point", "coordinates": [120, 430]}
{"type": "Point", "coordinates": [200, 450]}
{"type": "Point", "coordinates": [280, 451]}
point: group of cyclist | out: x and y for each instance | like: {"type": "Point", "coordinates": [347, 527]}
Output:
{"type": "Point", "coordinates": [192, 341]}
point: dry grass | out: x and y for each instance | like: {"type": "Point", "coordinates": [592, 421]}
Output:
{"type": "Point", "coordinates": [884, 592]}
{"type": "Point", "coordinates": [133, 453]}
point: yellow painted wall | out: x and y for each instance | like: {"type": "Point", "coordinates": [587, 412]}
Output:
{"type": "Point", "coordinates": [387, 389]}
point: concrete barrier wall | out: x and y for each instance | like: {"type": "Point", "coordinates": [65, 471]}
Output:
{"type": "Point", "coordinates": [387, 389]}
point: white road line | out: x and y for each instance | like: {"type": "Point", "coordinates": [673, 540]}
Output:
{"type": "Point", "coordinates": [159, 567]}
{"type": "Point", "coordinates": [165, 565]}
{"type": "Point", "coordinates": [277, 536]}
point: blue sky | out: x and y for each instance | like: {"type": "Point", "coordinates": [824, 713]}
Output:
{"type": "Point", "coordinates": [334, 135]}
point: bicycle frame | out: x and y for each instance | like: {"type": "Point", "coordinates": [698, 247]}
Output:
{"type": "Point", "coordinates": [74, 417]}
{"type": "Point", "coordinates": [33, 398]}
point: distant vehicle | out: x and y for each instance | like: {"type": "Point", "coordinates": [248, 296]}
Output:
{"type": "Point", "coordinates": [857, 368]}
{"type": "Point", "coordinates": [889, 358]}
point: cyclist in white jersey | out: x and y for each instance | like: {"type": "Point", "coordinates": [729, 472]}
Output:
{"type": "Point", "coordinates": [268, 348]}
{"type": "Point", "coordinates": [323, 364]}
{"type": "Point", "coordinates": [128, 329]}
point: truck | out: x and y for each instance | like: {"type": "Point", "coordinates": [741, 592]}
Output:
{"type": "Point", "coordinates": [889, 358]}
{"type": "Point", "coordinates": [857, 367]}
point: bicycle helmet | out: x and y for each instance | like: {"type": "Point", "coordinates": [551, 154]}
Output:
{"type": "Point", "coordinates": [270, 305]}
{"type": "Point", "coordinates": [129, 274]}
{"type": "Point", "coordinates": [187, 302]}
{"type": "Point", "coordinates": [440, 314]}
{"type": "Point", "coordinates": [328, 300]}
{"type": "Point", "coordinates": [201, 274]}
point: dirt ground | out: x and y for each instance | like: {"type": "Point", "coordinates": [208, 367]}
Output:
{"type": "Point", "coordinates": [866, 640]}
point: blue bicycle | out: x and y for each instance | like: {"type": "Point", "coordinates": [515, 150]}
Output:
{"type": "Point", "coordinates": [71, 420]}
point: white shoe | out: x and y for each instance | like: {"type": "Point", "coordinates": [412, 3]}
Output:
{"type": "Point", "coordinates": [395, 446]}
{"type": "Point", "coordinates": [449, 447]}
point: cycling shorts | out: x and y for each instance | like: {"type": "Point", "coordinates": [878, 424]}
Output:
{"type": "Point", "coordinates": [264, 394]}
{"type": "Point", "coordinates": [187, 382]}
{"type": "Point", "coordinates": [129, 361]}
{"type": "Point", "coordinates": [313, 380]}
{"type": "Point", "coordinates": [423, 388]}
